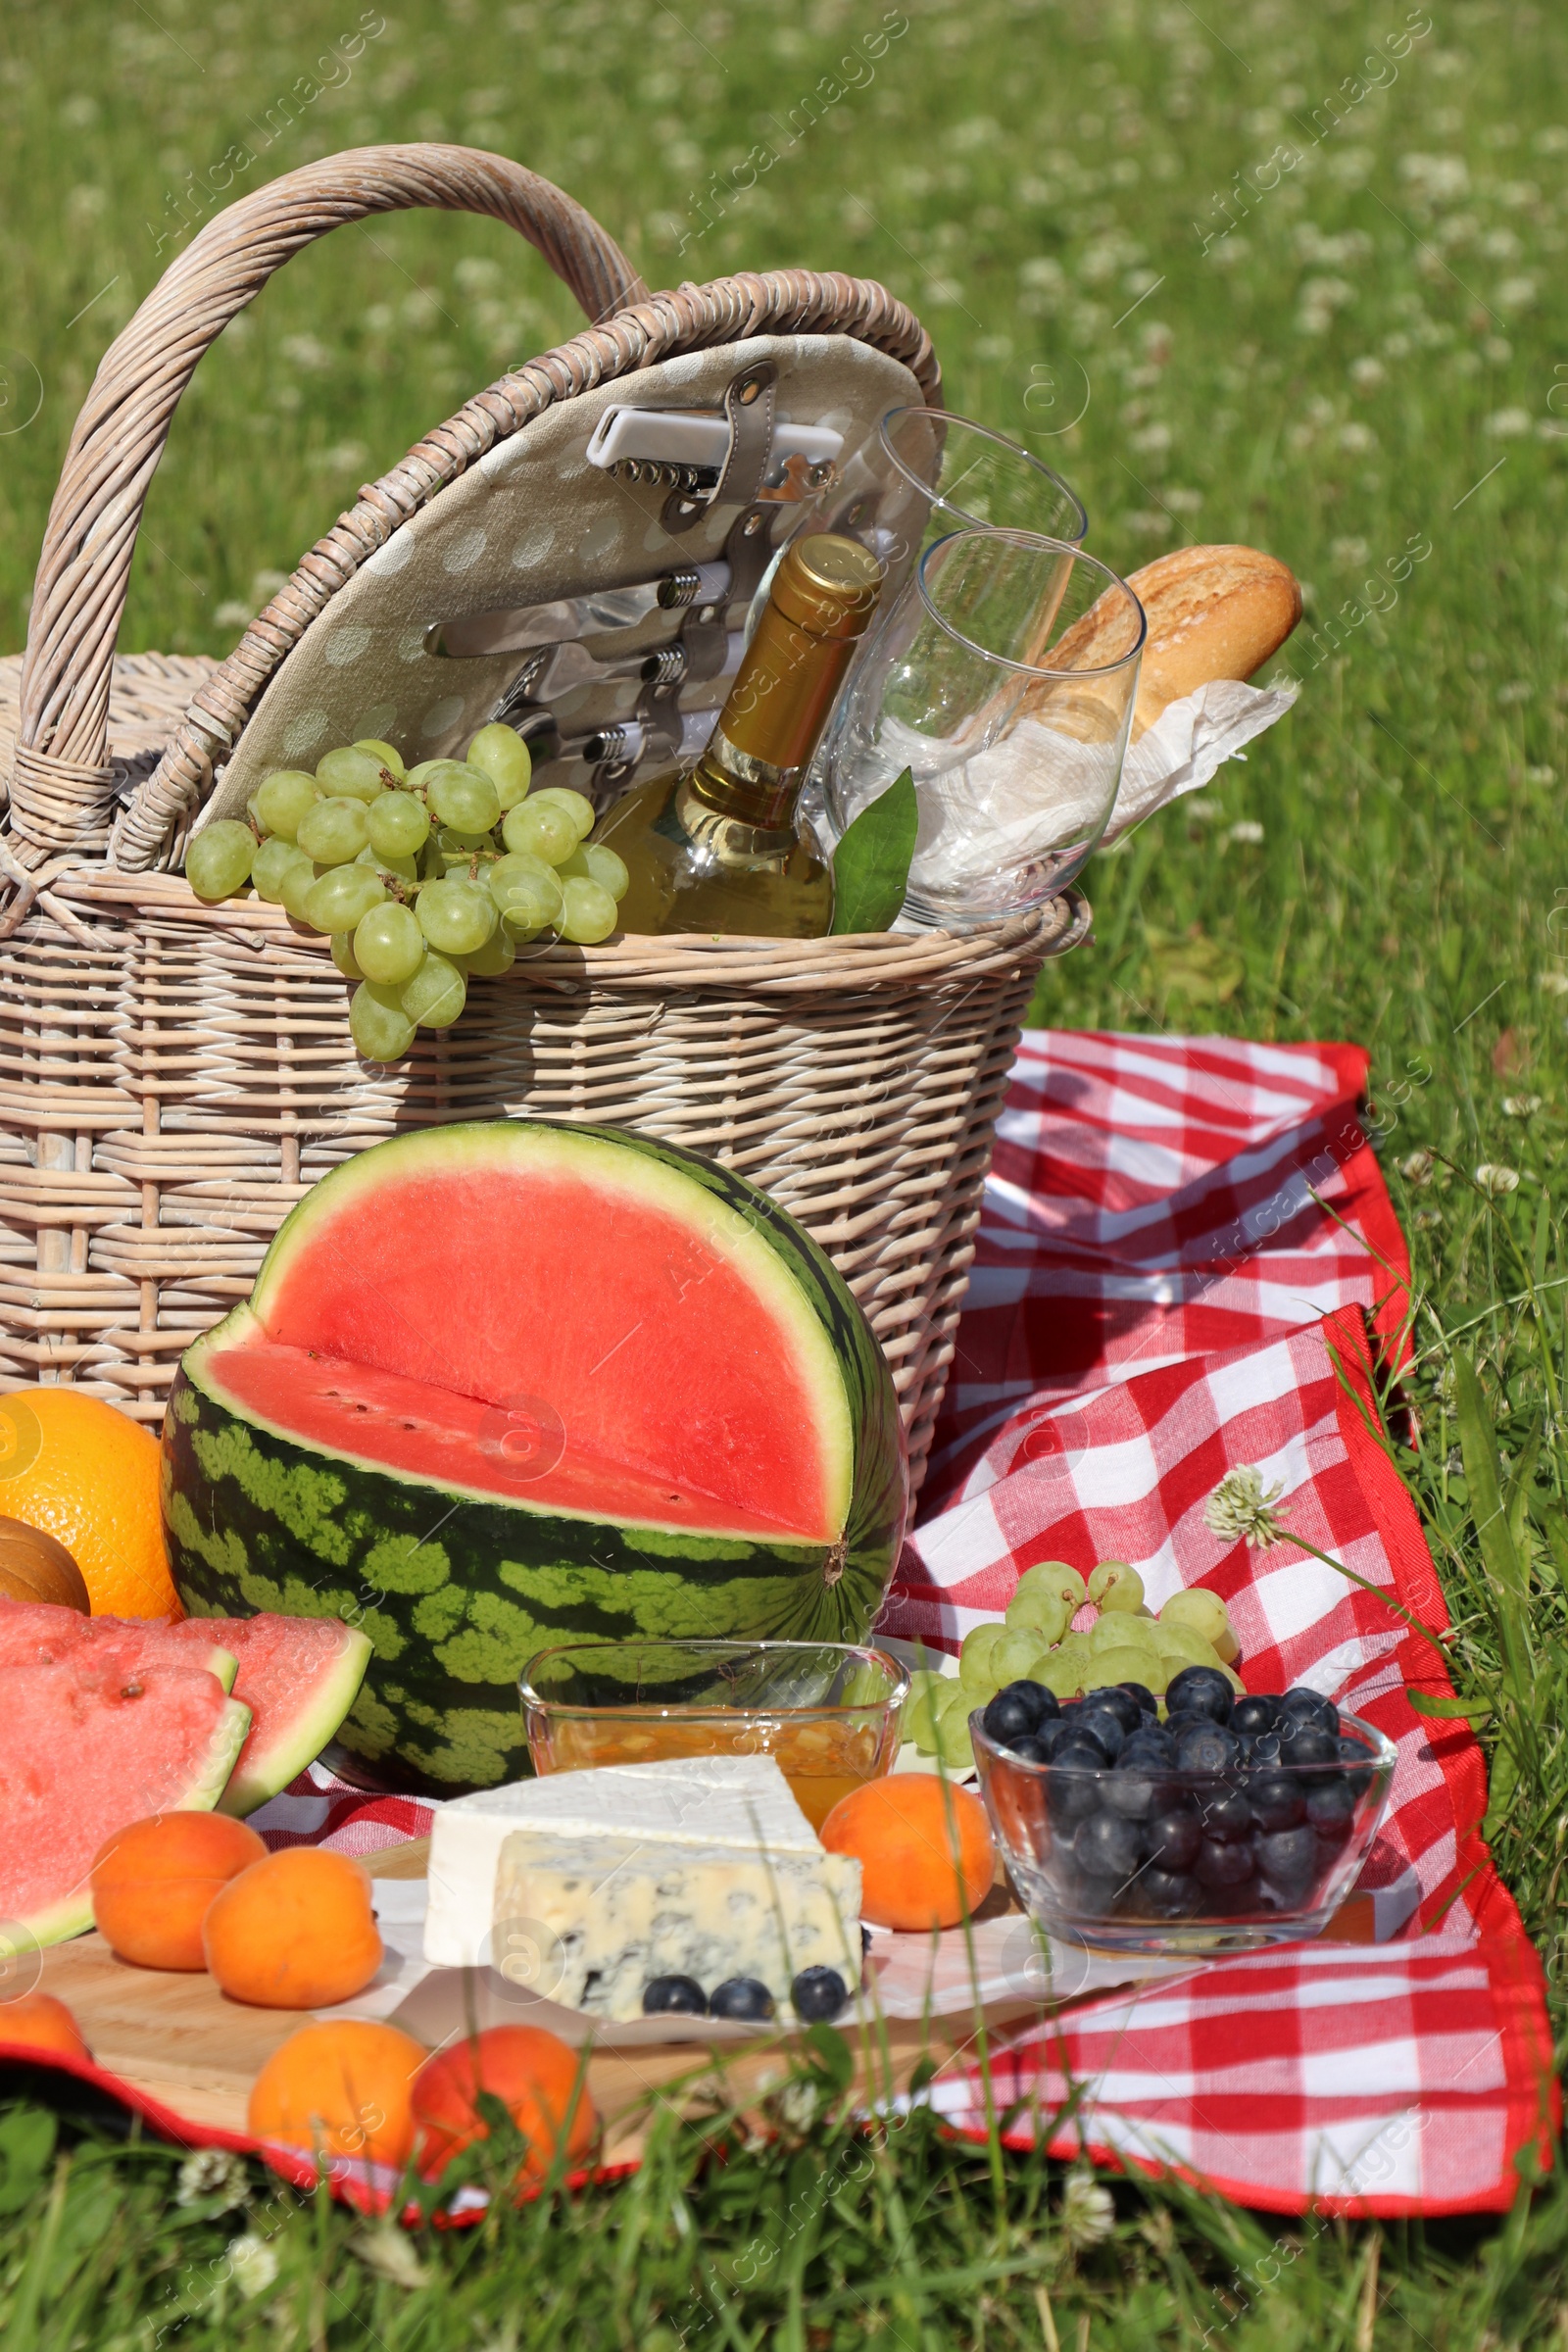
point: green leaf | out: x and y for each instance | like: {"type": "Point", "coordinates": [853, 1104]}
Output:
{"type": "Point", "coordinates": [872, 864]}
{"type": "Point", "coordinates": [1474, 1710]}
{"type": "Point", "coordinates": [26, 2146]}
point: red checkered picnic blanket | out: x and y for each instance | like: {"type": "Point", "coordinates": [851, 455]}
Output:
{"type": "Point", "coordinates": [1186, 1260]}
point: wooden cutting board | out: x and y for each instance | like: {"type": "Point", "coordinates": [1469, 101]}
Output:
{"type": "Point", "coordinates": [177, 2040]}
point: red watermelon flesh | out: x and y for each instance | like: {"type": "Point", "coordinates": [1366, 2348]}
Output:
{"type": "Point", "coordinates": [36, 1633]}
{"type": "Point", "coordinates": [299, 1676]}
{"type": "Point", "coordinates": [85, 1750]}
{"type": "Point", "coordinates": [553, 1325]}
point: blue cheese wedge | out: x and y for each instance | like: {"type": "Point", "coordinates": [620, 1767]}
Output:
{"type": "Point", "coordinates": [686, 1801]}
{"type": "Point", "coordinates": [598, 1917]}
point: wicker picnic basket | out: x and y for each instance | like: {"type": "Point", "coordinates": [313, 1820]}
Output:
{"type": "Point", "coordinates": [173, 1075]}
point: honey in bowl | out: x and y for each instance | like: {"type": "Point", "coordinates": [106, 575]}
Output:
{"type": "Point", "coordinates": [829, 1713]}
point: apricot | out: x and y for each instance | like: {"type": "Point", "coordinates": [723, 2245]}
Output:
{"type": "Point", "coordinates": [153, 1881]}
{"type": "Point", "coordinates": [536, 2077]}
{"type": "Point", "coordinates": [295, 1931]}
{"type": "Point", "coordinates": [340, 2089]}
{"type": "Point", "coordinates": [923, 1845]}
{"type": "Point", "coordinates": [36, 2021]}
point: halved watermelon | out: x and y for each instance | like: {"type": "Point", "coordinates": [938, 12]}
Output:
{"type": "Point", "coordinates": [39, 1633]}
{"type": "Point", "coordinates": [500, 1386]}
{"type": "Point", "coordinates": [85, 1750]}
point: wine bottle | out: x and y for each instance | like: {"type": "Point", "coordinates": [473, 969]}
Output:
{"type": "Point", "coordinates": [718, 845]}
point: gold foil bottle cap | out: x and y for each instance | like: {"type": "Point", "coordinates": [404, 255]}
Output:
{"type": "Point", "coordinates": [828, 584]}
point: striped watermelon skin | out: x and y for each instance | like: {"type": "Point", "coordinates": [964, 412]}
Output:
{"type": "Point", "coordinates": [457, 1590]}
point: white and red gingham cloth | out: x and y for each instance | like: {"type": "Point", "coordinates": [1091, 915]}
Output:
{"type": "Point", "coordinates": [1186, 1261]}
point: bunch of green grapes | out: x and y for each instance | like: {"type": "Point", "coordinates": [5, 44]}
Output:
{"type": "Point", "coordinates": [1034, 1643]}
{"type": "Point", "coordinates": [422, 877]}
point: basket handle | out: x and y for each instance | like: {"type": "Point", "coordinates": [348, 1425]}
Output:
{"type": "Point", "coordinates": [61, 785]}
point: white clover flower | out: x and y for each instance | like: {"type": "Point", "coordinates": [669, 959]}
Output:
{"type": "Point", "coordinates": [231, 616]}
{"type": "Point", "coordinates": [1088, 2210]}
{"type": "Point", "coordinates": [1541, 775]}
{"type": "Point", "coordinates": [1416, 1167]}
{"type": "Point", "coordinates": [213, 2173]}
{"type": "Point", "coordinates": [1367, 373]}
{"type": "Point", "coordinates": [1496, 1180]}
{"type": "Point", "coordinates": [390, 2254]}
{"type": "Point", "coordinates": [1553, 984]}
{"type": "Point", "coordinates": [1506, 425]}
{"type": "Point", "coordinates": [1349, 551]}
{"type": "Point", "coordinates": [1359, 438]}
{"type": "Point", "coordinates": [1521, 1106]}
{"type": "Point", "coordinates": [254, 2264]}
{"type": "Point", "coordinates": [1242, 1507]}
{"type": "Point", "coordinates": [1517, 293]}
{"type": "Point", "coordinates": [1246, 829]}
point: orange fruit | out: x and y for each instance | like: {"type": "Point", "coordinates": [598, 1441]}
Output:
{"type": "Point", "coordinates": [153, 1884]}
{"type": "Point", "coordinates": [38, 2022]}
{"type": "Point", "coordinates": [533, 2072]}
{"type": "Point", "coordinates": [340, 2089]}
{"type": "Point", "coordinates": [295, 1931]}
{"type": "Point", "coordinates": [923, 1845]}
{"type": "Point", "coordinates": [89, 1477]}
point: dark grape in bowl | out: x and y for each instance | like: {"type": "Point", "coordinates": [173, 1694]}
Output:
{"type": "Point", "coordinates": [1234, 1823]}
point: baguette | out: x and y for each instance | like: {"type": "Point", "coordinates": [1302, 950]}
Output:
{"type": "Point", "coordinates": [1212, 611]}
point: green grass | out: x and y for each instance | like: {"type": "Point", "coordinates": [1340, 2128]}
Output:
{"type": "Point", "coordinates": [1364, 368]}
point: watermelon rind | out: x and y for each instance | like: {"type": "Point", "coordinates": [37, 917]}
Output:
{"type": "Point", "coordinates": [456, 1588]}
{"type": "Point", "coordinates": [288, 1742]}
{"type": "Point", "coordinates": [73, 1913]}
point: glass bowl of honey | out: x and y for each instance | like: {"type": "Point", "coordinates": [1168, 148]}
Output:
{"type": "Point", "coordinates": [830, 1712]}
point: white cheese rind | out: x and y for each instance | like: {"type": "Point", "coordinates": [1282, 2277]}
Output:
{"type": "Point", "coordinates": [591, 1921]}
{"type": "Point", "coordinates": [685, 1800]}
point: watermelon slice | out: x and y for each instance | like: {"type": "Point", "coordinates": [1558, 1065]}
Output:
{"type": "Point", "coordinates": [85, 1750]}
{"type": "Point", "coordinates": [509, 1384]}
{"type": "Point", "coordinates": [36, 1633]}
{"type": "Point", "coordinates": [299, 1677]}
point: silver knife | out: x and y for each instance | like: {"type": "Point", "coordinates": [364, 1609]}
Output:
{"type": "Point", "coordinates": [524, 628]}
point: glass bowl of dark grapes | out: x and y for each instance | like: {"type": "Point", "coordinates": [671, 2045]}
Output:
{"type": "Point", "coordinates": [1237, 1820]}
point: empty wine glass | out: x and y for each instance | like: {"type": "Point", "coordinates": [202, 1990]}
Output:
{"type": "Point", "coordinates": [1003, 679]}
{"type": "Point", "coordinates": [944, 473]}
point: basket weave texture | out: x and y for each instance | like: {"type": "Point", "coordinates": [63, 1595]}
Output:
{"type": "Point", "coordinates": [173, 1076]}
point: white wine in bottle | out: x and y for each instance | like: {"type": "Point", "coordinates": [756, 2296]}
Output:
{"type": "Point", "coordinates": [718, 847]}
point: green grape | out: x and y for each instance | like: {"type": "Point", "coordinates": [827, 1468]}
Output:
{"type": "Point", "coordinates": [418, 777]}
{"type": "Point", "coordinates": [390, 759]}
{"type": "Point", "coordinates": [1054, 1576]}
{"type": "Point", "coordinates": [273, 862]}
{"type": "Point", "coordinates": [400, 824]}
{"type": "Point", "coordinates": [217, 859]}
{"type": "Point", "coordinates": [525, 890]}
{"type": "Point", "coordinates": [590, 863]}
{"type": "Point", "coordinates": [607, 868]}
{"type": "Point", "coordinates": [432, 861]}
{"type": "Point", "coordinates": [282, 799]}
{"type": "Point", "coordinates": [1015, 1654]}
{"type": "Point", "coordinates": [974, 1659]}
{"type": "Point", "coordinates": [296, 885]}
{"type": "Point", "coordinates": [349, 775]}
{"type": "Point", "coordinates": [1065, 1675]}
{"type": "Point", "coordinates": [343, 955]}
{"type": "Point", "coordinates": [403, 869]}
{"type": "Point", "coordinates": [954, 1747]}
{"type": "Point", "coordinates": [501, 753]}
{"type": "Point", "coordinates": [462, 798]}
{"type": "Point", "coordinates": [1112, 1630]}
{"type": "Point", "coordinates": [541, 827]}
{"type": "Point", "coordinates": [921, 1715]}
{"type": "Point", "coordinates": [389, 945]}
{"type": "Point", "coordinates": [436, 994]}
{"type": "Point", "coordinates": [1044, 1613]}
{"type": "Point", "coordinates": [588, 913]}
{"type": "Point", "coordinates": [334, 831]}
{"type": "Point", "coordinates": [1203, 1613]}
{"type": "Point", "coordinates": [1117, 1588]}
{"type": "Point", "coordinates": [497, 955]}
{"type": "Point", "coordinates": [457, 847]}
{"type": "Point", "coordinates": [343, 896]}
{"type": "Point", "coordinates": [454, 916]}
{"type": "Point", "coordinates": [576, 805]}
{"type": "Point", "coordinates": [380, 1028]}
